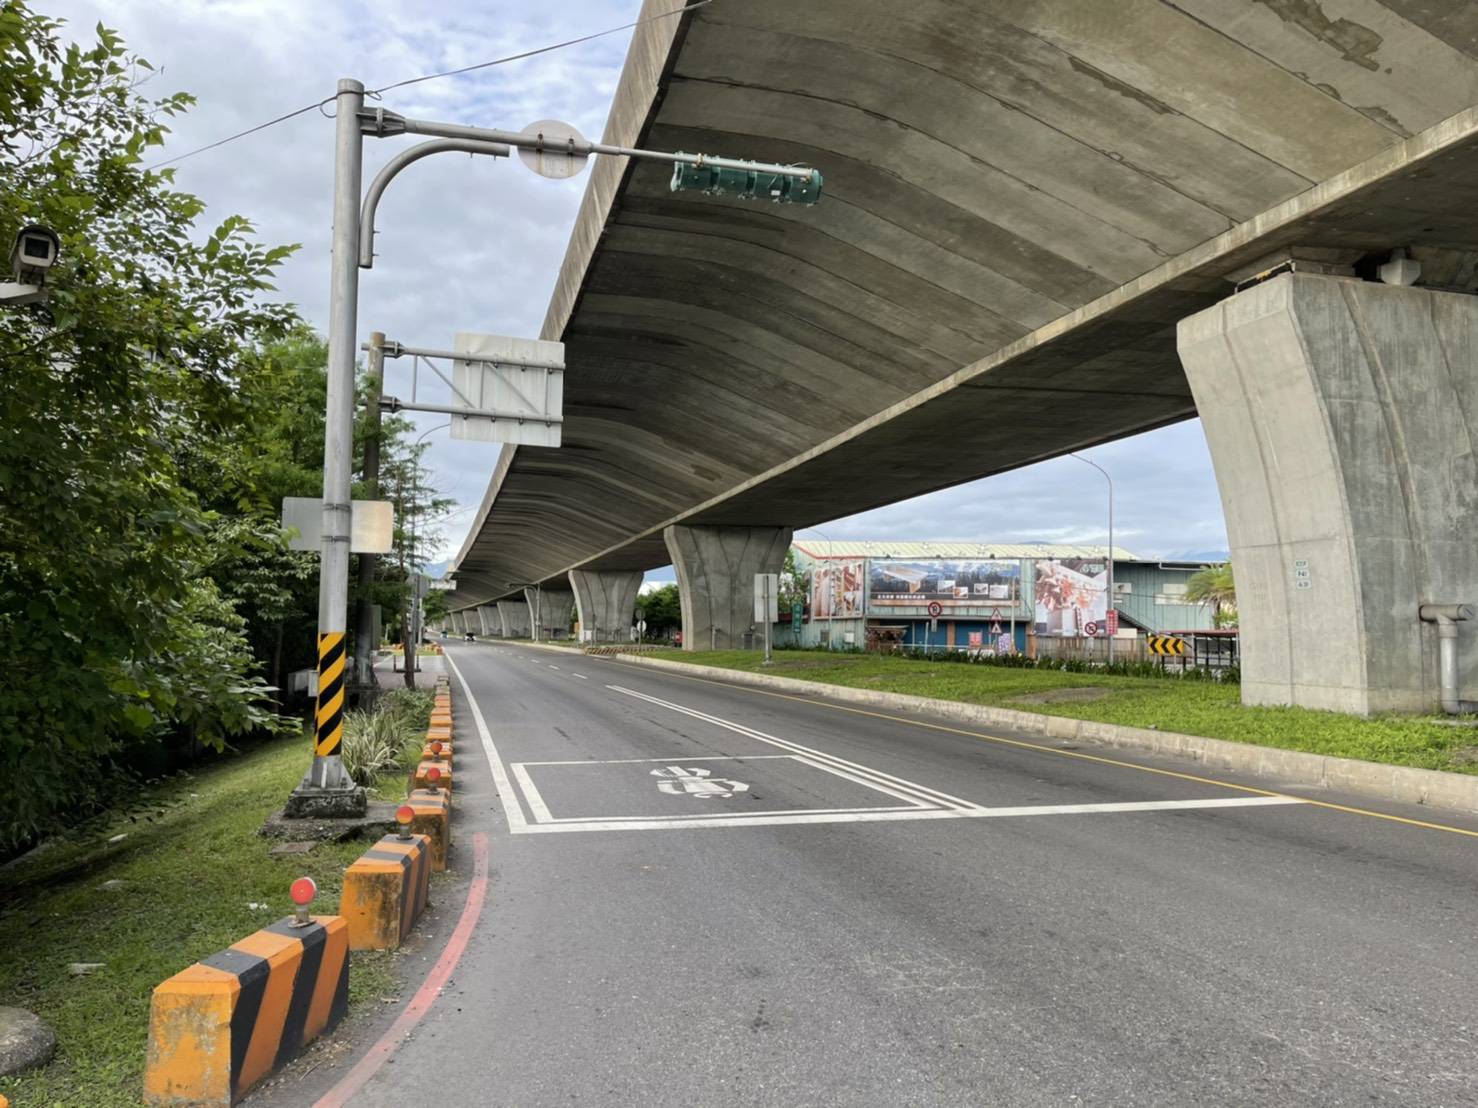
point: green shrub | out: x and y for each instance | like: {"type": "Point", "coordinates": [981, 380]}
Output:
{"type": "Point", "coordinates": [374, 743]}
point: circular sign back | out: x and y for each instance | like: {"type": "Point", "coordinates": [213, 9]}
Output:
{"type": "Point", "coordinates": [553, 158]}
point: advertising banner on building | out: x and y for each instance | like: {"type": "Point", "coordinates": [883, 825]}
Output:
{"type": "Point", "coordinates": [1071, 593]}
{"type": "Point", "coordinates": [836, 590]}
{"type": "Point", "coordinates": [976, 583]}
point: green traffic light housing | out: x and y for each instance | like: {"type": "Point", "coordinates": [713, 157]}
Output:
{"type": "Point", "coordinates": [751, 184]}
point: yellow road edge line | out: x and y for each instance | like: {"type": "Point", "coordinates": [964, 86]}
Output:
{"type": "Point", "coordinates": [1076, 753]}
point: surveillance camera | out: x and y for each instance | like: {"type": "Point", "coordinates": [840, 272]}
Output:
{"type": "Point", "coordinates": [36, 250]}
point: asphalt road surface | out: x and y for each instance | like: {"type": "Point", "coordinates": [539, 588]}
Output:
{"type": "Point", "coordinates": [703, 894]}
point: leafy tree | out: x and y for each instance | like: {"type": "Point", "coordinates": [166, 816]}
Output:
{"type": "Point", "coordinates": [663, 607]}
{"type": "Point", "coordinates": [112, 398]}
{"type": "Point", "coordinates": [1215, 587]}
{"type": "Point", "coordinates": [418, 510]}
{"type": "Point", "coordinates": [794, 586]}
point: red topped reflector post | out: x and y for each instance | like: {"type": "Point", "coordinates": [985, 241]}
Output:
{"type": "Point", "coordinates": [403, 816]}
{"type": "Point", "coordinates": [433, 775]}
{"type": "Point", "coordinates": [303, 891]}
{"type": "Point", "coordinates": [436, 747]}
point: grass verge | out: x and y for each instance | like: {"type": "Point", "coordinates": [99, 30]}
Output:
{"type": "Point", "coordinates": [192, 875]}
{"type": "Point", "coordinates": [1190, 707]}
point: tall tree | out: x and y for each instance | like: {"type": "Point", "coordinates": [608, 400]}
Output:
{"type": "Point", "coordinates": [108, 394]}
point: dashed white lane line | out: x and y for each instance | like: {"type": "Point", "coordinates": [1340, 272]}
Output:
{"type": "Point", "coordinates": [553, 667]}
{"type": "Point", "coordinates": [581, 676]}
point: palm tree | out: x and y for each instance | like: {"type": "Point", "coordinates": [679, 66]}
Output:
{"type": "Point", "coordinates": [1214, 586]}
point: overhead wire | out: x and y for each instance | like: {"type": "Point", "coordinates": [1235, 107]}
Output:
{"type": "Point", "coordinates": [376, 92]}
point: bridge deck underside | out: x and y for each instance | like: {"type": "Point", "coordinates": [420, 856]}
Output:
{"type": "Point", "coordinates": [1022, 200]}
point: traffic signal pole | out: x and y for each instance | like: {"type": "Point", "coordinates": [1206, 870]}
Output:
{"type": "Point", "coordinates": [328, 790]}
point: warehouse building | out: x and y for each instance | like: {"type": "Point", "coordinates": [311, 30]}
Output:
{"type": "Point", "coordinates": [997, 597]}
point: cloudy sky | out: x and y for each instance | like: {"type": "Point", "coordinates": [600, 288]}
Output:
{"type": "Point", "coordinates": [475, 244]}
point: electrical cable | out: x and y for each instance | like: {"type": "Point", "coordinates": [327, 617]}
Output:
{"type": "Point", "coordinates": [540, 50]}
{"type": "Point", "coordinates": [429, 77]}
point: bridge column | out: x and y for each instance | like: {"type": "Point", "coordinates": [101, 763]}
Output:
{"type": "Point", "coordinates": [553, 608]}
{"type": "Point", "coordinates": [459, 622]}
{"type": "Point", "coordinates": [487, 618]}
{"type": "Point", "coordinates": [1340, 417]}
{"type": "Point", "coordinates": [715, 578]}
{"type": "Point", "coordinates": [606, 602]}
{"type": "Point", "coordinates": [514, 615]}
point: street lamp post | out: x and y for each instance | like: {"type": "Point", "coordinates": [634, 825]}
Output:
{"type": "Point", "coordinates": [1111, 621]}
{"type": "Point", "coordinates": [552, 149]}
{"type": "Point", "coordinates": [327, 789]}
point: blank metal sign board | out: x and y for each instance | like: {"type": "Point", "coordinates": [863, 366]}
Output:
{"type": "Point", "coordinates": [516, 388]}
{"type": "Point", "coordinates": [766, 602]}
{"type": "Point", "coordinates": [371, 527]}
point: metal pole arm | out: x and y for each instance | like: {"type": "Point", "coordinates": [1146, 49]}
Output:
{"type": "Point", "coordinates": [399, 162]}
{"type": "Point", "coordinates": [398, 350]}
{"type": "Point", "coordinates": [382, 124]}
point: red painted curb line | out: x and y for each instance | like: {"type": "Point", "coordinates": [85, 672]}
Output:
{"type": "Point", "coordinates": [426, 995]}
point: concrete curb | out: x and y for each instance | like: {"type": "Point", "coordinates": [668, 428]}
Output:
{"type": "Point", "coordinates": [433, 818]}
{"type": "Point", "coordinates": [385, 891]}
{"type": "Point", "coordinates": [223, 1024]}
{"type": "Point", "coordinates": [1453, 791]}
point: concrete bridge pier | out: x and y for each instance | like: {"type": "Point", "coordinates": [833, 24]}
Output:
{"type": "Point", "coordinates": [605, 602]}
{"type": "Point", "coordinates": [1340, 416]}
{"type": "Point", "coordinates": [552, 608]}
{"type": "Point", "coordinates": [459, 622]}
{"type": "Point", "coordinates": [715, 576]}
{"type": "Point", "coordinates": [487, 618]}
{"type": "Point", "coordinates": [514, 615]}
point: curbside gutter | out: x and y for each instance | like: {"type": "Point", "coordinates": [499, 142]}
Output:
{"type": "Point", "coordinates": [1433, 788]}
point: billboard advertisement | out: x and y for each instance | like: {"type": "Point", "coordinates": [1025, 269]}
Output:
{"type": "Point", "coordinates": [973, 583]}
{"type": "Point", "coordinates": [1071, 593]}
{"type": "Point", "coordinates": [836, 590]}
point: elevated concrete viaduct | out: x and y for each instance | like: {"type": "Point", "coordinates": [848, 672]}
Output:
{"type": "Point", "coordinates": [1024, 200]}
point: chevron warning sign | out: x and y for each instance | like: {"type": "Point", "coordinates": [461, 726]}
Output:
{"type": "Point", "coordinates": [1168, 645]}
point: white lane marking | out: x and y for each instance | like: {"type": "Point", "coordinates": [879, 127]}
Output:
{"type": "Point", "coordinates": [933, 796]}
{"type": "Point", "coordinates": [536, 802]}
{"type": "Point", "coordinates": [552, 666]}
{"type": "Point", "coordinates": [518, 825]}
{"type": "Point", "coordinates": [876, 815]}
{"type": "Point", "coordinates": [541, 813]}
{"type": "Point", "coordinates": [685, 758]}
{"type": "Point", "coordinates": [581, 676]}
{"type": "Point", "coordinates": [696, 781]}
{"type": "Point", "coordinates": [509, 799]}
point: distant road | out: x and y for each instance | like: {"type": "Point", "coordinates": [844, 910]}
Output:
{"type": "Point", "coordinates": [705, 894]}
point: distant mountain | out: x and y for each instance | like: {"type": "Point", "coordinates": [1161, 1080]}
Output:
{"type": "Point", "coordinates": [1199, 556]}
{"type": "Point", "coordinates": [436, 569]}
